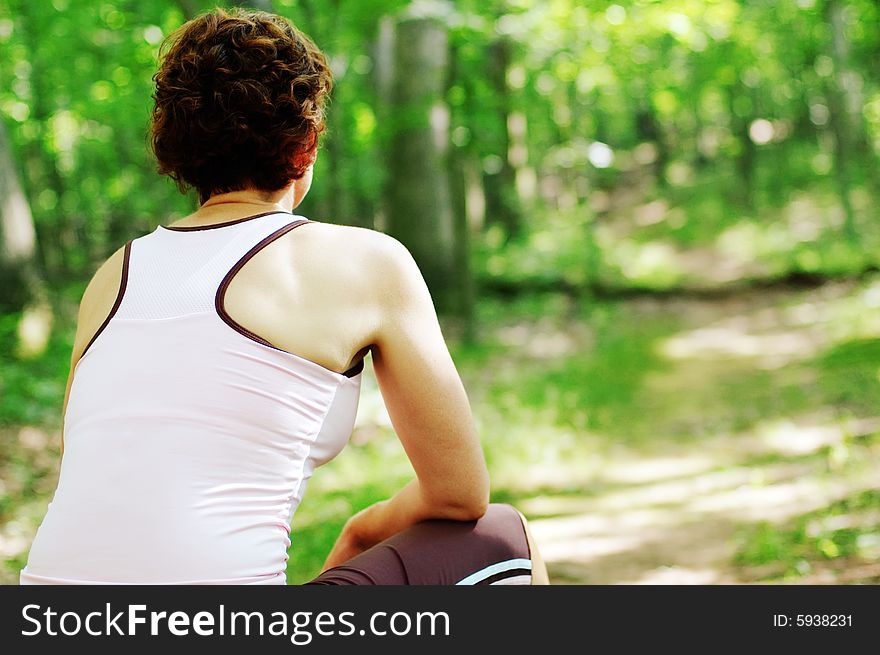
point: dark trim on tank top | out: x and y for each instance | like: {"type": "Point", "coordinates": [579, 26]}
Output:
{"type": "Point", "coordinates": [227, 279]}
{"type": "Point", "coordinates": [196, 228]}
{"type": "Point", "coordinates": [355, 369]}
{"type": "Point", "coordinates": [126, 256]}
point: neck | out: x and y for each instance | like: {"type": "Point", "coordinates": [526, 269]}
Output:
{"type": "Point", "coordinates": [281, 200]}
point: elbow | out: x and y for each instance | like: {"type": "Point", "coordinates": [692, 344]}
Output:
{"type": "Point", "coordinates": [465, 504]}
{"type": "Point", "coordinates": [473, 505]}
{"type": "Point", "coordinates": [476, 510]}
{"type": "Point", "coordinates": [466, 511]}
{"type": "Point", "coordinates": [478, 502]}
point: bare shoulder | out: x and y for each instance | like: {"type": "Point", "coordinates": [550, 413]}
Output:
{"type": "Point", "coordinates": [355, 241]}
{"type": "Point", "coordinates": [357, 283]}
{"type": "Point", "coordinates": [361, 255]}
{"type": "Point", "coordinates": [98, 299]}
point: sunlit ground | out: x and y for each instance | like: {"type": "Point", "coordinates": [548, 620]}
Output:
{"type": "Point", "coordinates": [648, 441]}
{"type": "Point", "coordinates": [677, 441]}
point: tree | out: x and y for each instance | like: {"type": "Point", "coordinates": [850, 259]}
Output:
{"type": "Point", "coordinates": [841, 90]}
{"type": "Point", "coordinates": [502, 204]}
{"type": "Point", "coordinates": [419, 199]}
{"type": "Point", "coordinates": [22, 286]}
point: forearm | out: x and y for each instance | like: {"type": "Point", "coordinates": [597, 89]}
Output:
{"type": "Point", "coordinates": [407, 507]}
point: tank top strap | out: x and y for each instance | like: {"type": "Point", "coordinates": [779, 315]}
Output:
{"type": "Point", "coordinates": [176, 271]}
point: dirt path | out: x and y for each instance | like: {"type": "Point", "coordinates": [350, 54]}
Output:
{"type": "Point", "coordinates": [745, 429]}
{"type": "Point", "coordinates": [685, 529]}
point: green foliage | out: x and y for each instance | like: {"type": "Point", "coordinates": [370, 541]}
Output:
{"type": "Point", "coordinates": [590, 388]}
{"type": "Point", "coordinates": [31, 390]}
{"type": "Point", "coordinates": [655, 147]}
{"type": "Point", "coordinates": [825, 537]}
{"type": "Point", "coordinates": [851, 375]}
{"type": "Point", "coordinates": [723, 111]}
{"type": "Point", "coordinates": [317, 525]}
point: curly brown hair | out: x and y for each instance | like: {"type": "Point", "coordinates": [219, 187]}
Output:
{"type": "Point", "coordinates": [239, 102]}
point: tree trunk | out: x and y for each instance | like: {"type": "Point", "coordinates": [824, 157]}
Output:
{"type": "Point", "coordinates": [190, 8]}
{"type": "Point", "coordinates": [419, 203]}
{"type": "Point", "coordinates": [747, 155]}
{"type": "Point", "coordinates": [21, 285]}
{"type": "Point", "coordinates": [840, 121]}
{"type": "Point", "coordinates": [648, 129]}
{"type": "Point", "coordinates": [17, 235]}
{"type": "Point", "coordinates": [383, 82]}
{"type": "Point", "coordinates": [457, 163]}
{"type": "Point", "coordinates": [465, 296]}
{"type": "Point", "coordinates": [502, 205]}
{"type": "Point", "coordinates": [41, 163]}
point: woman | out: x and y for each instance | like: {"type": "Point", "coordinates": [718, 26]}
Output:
{"type": "Point", "coordinates": [217, 360]}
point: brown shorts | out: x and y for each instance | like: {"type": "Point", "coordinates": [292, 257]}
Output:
{"type": "Point", "coordinates": [490, 550]}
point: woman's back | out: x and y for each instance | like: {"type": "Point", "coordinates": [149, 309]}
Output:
{"type": "Point", "coordinates": [189, 438]}
{"type": "Point", "coordinates": [190, 426]}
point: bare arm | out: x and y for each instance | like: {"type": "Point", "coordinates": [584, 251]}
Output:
{"type": "Point", "coordinates": [429, 410]}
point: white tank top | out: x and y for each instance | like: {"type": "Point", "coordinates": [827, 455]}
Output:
{"type": "Point", "coordinates": [188, 440]}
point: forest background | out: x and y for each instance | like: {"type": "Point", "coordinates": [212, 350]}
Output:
{"type": "Point", "coordinates": [651, 229]}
